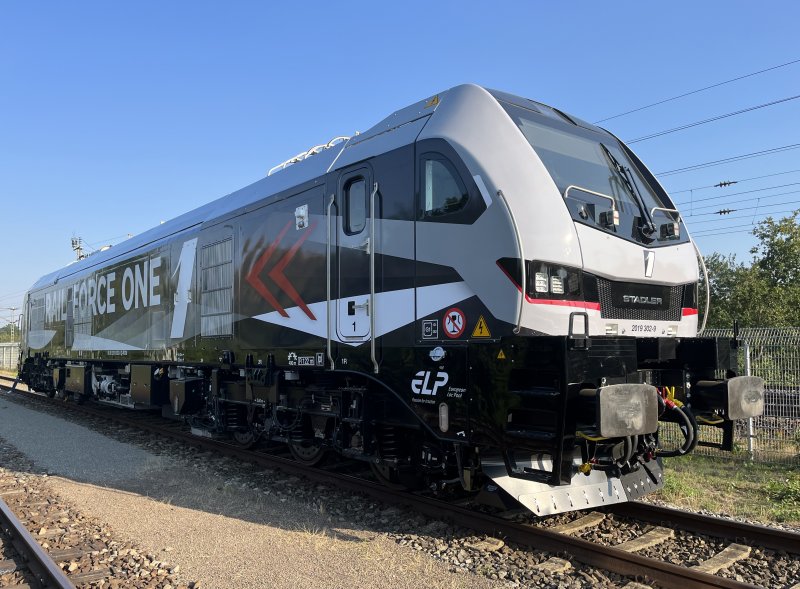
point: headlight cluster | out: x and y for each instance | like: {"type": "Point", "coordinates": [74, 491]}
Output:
{"type": "Point", "coordinates": [548, 280]}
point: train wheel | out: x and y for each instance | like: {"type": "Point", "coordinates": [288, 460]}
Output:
{"type": "Point", "coordinates": [310, 452]}
{"type": "Point", "coordinates": [388, 476]}
{"type": "Point", "coordinates": [245, 438]}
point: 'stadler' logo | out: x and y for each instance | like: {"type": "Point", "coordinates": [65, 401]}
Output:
{"type": "Point", "coordinates": [642, 300]}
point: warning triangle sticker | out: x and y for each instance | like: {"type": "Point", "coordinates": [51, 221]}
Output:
{"type": "Point", "coordinates": [501, 355]}
{"type": "Point", "coordinates": [481, 329]}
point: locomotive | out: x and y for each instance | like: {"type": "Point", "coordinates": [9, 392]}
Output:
{"type": "Point", "coordinates": [480, 292]}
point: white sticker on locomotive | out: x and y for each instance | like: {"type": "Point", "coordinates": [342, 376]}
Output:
{"type": "Point", "coordinates": [430, 329]}
{"type": "Point", "coordinates": [428, 382]}
{"type": "Point", "coordinates": [306, 361]}
{"type": "Point", "coordinates": [643, 328]}
{"type": "Point", "coordinates": [437, 353]}
{"type": "Point", "coordinates": [454, 322]}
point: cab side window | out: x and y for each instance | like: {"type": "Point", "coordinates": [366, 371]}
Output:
{"type": "Point", "coordinates": [355, 197]}
{"type": "Point", "coordinates": [442, 190]}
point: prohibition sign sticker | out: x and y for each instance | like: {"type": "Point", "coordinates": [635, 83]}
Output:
{"type": "Point", "coordinates": [454, 322]}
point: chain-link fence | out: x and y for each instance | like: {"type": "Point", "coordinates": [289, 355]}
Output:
{"type": "Point", "coordinates": [774, 355]}
{"type": "Point", "coordinates": [9, 355]}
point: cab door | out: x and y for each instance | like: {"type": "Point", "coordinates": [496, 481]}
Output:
{"type": "Point", "coordinates": [355, 256]}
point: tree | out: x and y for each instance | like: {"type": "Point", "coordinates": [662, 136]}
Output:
{"type": "Point", "coordinates": [766, 293]}
{"type": "Point", "coordinates": [5, 334]}
{"type": "Point", "coordinates": [778, 253]}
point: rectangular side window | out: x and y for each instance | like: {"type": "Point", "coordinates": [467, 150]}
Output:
{"type": "Point", "coordinates": [355, 195]}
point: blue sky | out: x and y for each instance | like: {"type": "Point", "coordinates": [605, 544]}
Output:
{"type": "Point", "coordinates": [115, 116]}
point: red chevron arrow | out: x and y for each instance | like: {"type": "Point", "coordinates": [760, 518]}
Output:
{"type": "Point", "coordinates": [277, 274]}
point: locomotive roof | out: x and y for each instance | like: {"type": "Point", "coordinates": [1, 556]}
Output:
{"type": "Point", "coordinates": [398, 129]}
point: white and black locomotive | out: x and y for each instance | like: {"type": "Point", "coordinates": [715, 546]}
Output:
{"type": "Point", "coordinates": [481, 290]}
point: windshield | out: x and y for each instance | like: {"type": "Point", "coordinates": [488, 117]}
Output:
{"type": "Point", "coordinates": [595, 174]}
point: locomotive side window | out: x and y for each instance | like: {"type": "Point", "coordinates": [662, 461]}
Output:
{"type": "Point", "coordinates": [443, 191]}
{"type": "Point", "coordinates": [355, 203]}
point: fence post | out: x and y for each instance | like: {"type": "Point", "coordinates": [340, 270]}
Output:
{"type": "Point", "coordinates": [750, 433]}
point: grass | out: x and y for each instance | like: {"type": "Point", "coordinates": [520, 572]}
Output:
{"type": "Point", "coordinates": [760, 491]}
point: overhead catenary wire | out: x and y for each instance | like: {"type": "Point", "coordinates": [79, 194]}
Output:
{"type": "Point", "coordinates": [776, 204]}
{"type": "Point", "coordinates": [735, 202]}
{"type": "Point", "coordinates": [736, 181]}
{"type": "Point", "coordinates": [730, 194]}
{"type": "Point", "coordinates": [720, 233]}
{"type": "Point", "coordinates": [691, 92]}
{"type": "Point", "coordinates": [704, 232]}
{"type": "Point", "coordinates": [15, 295]}
{"type": "Point", "coordinates": [733, 218]}
{"type": "Point", "coordinates": [712, 119]}
{"type": "Point", "coordinates": [731, 159]}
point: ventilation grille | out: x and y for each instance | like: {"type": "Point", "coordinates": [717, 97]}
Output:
{"type": "Point", "coordinates": [37, 314]}
{"type": "Point", "coordinates": [612, 291]}
{"type": "Point", "coordinates": [216, 305]}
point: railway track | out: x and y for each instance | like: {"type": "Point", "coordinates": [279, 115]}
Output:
{"type": "Point", "coordinates": [23, 562]}
{"type": "Point", "coordinates": [624, 559]}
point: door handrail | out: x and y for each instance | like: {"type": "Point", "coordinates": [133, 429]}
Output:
{"type": "Point", "coordinates": [372, 249]}
{"type": "Point", "coordinates": [329, 345]}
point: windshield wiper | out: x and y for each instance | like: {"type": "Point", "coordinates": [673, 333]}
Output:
{"type": "Point", "coordinates": [648, 228]}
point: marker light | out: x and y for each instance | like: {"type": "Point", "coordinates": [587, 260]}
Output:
{"type": "Point", "coordinates": [541, 282]}
{"type": "Point", "coordinates": [444, 417]}
{"type": "Point", "coordinates": [609, 218]}
{"type": "Point", "coordinates": [556, 285]}
{"type": "Point", "coordinates": [670, 230]}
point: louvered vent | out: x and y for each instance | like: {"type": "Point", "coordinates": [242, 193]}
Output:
{"type": "Point", "coordinates": [216, 308]}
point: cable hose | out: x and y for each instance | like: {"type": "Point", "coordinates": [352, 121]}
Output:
{"type": "Point", "coordinates": [632, 443]}
{"type": "Point", "coordinates": [690, 432]}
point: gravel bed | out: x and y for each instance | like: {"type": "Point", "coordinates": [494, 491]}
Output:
{"type": "Point", "coordinates": [59, 527]}
{"type": "Point", "coordinates": [458, 549]}
{"type": "Point", "coordinates": [723, 515]}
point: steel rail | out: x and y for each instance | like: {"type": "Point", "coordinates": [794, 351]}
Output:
{"type": "Point", "coordinates": [605, 557]}
{"type": "Point", "coordinates": [713, 526]}
{"type": "Point", "coordinates": [47, 572]}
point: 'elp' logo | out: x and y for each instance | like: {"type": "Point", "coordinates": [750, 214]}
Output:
{"type": "Point", "coordinates": [422, 385]}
